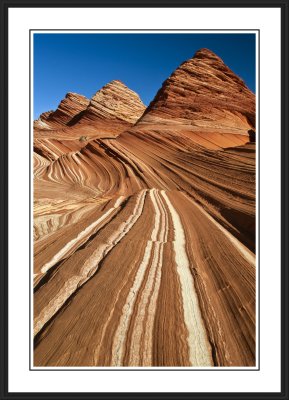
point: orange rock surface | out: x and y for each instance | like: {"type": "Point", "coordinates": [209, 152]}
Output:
{"type": "Point", "coordinates": [144, 232]}
{"type": "Point", "coordinates": [70, 106]}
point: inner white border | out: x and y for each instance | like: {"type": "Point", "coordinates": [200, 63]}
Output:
{"type": "Point", "coordinates": [20, 378]}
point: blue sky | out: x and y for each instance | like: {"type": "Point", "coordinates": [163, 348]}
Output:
{"type": "Point", "coordinates": [83, 63]}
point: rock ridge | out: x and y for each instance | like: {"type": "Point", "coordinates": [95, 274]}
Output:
{"type": "Point", "coordinates": [114, 101]}
{"type": "Point", "coordinates": [204, 92]}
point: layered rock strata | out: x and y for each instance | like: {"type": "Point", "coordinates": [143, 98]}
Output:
{"type": "Point", "coordinates": [70, 106]}
{"type": "Point", "coordinates": [144, 241]}
{"type": "Point", "coordinates": [204, 100]}
{"type": "Point", "coordinates": [115, 101]}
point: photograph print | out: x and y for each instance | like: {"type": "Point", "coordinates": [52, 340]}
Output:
{"type": "Point", "coordinates": [144, 200]}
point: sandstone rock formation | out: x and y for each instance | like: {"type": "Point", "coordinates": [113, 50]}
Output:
{"type": "Point", "coordinates": [70, 106]}
{"type": "Point", "coordinates": [115, 101]}
{"type": "Point", "coordinates": [112, 110]}
{"type": "Point", "coordinates": [204, 100]}
{"type": "Point", "coordinates": [144, 239]}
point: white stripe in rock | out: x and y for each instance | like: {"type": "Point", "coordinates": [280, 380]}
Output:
{"type": "Point", "coordinates": [120, 335]}
{"type": "Point", "coordinates": [61, 253]}
{"type": "Point", "coordinates": [89, 268]}
{"type": "Point", "coordinates": [243, 250]}
{"type": "Point", "coordinates": [199, 348]}
{"type": "Point", "coordinates": [148, 301]}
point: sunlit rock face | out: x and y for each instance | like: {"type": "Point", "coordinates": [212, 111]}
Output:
{"type": "Point", "coordinates": [70, 106]}
{"type": "Point", "coordinates": [201, 98]}
{"type": "Point", "coordinates": [112, 110]}
{"type": "Point", "coordinates": [144, 225]}
{"type": "Point", "coordinates": [115, 101]}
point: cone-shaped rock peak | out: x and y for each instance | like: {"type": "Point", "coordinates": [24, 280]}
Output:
{"type": "Point", "coordinates": [204, 91]}
{"type": "Point", "coordinates": [115, 100]}
{"type": "Point", "coordinates": [70, 106]}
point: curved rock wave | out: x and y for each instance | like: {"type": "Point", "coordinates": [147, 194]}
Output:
{"type": "Point", "coordinates": [144, 240]}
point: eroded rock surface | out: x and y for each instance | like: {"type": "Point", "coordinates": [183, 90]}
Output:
{"type": "Point", "coordinates": [70, 106]}
{"type": "Point", "coordinates": [115, 101]}
{"type": "Point", "coordinates": [204, 100]}
{"type": "Point", "coordinates": [144, 231]}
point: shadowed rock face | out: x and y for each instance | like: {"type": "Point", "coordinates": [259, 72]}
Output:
{"type": "Point", "coordinates": [144, 231]}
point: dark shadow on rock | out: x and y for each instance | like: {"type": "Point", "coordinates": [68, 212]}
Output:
{"type": "Point", "coordinates": [252, 135]}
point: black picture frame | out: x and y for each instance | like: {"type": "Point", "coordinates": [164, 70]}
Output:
{"type": "Point", "coordinates": [284, 8]}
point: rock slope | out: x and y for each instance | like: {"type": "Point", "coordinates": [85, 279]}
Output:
{"type": "Point", "coordinates": [70, 106]}
{"type": "Point", "coordinates": [115, 101]}
{"type": "Point", "coordinates": [144, 242]}
{"type": "Point", "coordinates": [112, 110]}
{"type": "Point", "coordinates": [205, 100]}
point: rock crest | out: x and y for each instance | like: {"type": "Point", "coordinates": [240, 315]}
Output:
{"type": "Point", "coordinates": [115, 101]}
{"type": "Point", "coordinates": [70, 106]}
{"type": "Point", "coordinates": [203, 92]}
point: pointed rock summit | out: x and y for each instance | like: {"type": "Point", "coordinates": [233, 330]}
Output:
{"type": "Point", "coordinates": [70, 106]}
{"type": "Point", "coordinates": [111, 110]}
{"type": "Point", "coordinates": [203, 99]}
{"type": "Point", "coordinates": [115, 101]}
{"type": "Point", "coordinates": [207, 55]}
{"type": "Point", "coordinates": [204, 95]}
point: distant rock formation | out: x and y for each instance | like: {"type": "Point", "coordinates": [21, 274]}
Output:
{"type": "Point", "coordinates": [70, 106]}
{"type": "Point", "coordinates": [113, 109]}
{"type": "Point", "coordinates": [115, 101]}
